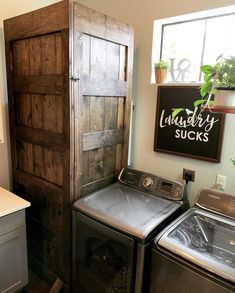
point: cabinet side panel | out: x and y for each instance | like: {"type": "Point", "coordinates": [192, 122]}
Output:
{"type": "Point", "coordinates": [39, 110]}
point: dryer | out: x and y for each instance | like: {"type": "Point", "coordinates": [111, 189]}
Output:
{"type": "Point", "coordinates": [196, 252]}
{"type": "Point", "coordinates": [114, 228]}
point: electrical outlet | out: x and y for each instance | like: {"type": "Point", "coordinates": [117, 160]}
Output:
{"type": "Point", "coordinates": [188, 175]}
{"type": "Point", "coordinates": [221, 181]}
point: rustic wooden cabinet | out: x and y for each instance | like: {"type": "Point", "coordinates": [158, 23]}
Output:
{"type": "Point", "coordinates": [69, 71]}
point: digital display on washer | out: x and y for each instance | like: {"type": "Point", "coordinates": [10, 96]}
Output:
{"type": "Point", "coordinates": [166, 187]}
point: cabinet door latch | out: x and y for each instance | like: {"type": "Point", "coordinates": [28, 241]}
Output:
{"type": "Point", "coordinates": [74, 78]}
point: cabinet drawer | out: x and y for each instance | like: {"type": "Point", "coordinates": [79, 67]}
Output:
{"type": "Point", "coordinates": [13, 261]}
{"type": "Point", "coordinates": [12, 222]}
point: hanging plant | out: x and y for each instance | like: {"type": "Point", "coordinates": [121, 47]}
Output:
{"type": "Point", "coordinates": [220, 75]}
{"type": "Point", "coordinates": [219, 80]}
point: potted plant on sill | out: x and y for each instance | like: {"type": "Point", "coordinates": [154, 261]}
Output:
{"type": "Point", "coordinates": [161, 68]}
{"type": "Point", "coordinates": [219, 80]}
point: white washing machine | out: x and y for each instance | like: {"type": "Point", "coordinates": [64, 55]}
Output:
{"type": "Point", "coordinates": [196, 253]}
{"type": "Point", "coordinates": [114, 228]}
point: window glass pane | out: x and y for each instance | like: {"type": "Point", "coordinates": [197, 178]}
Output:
{"type": "Point", "coordinates": [220, 38]}
{"type": "Point", "coordinates": [182, 44]}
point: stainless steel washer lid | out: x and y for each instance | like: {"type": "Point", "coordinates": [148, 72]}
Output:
{"type": "Point", "coordinates": [205, 239]}
{"type": "Point", "coordinates": [127, 209]}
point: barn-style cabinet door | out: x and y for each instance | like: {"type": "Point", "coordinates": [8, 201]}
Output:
{"type": "Point", "coordinates": [101, 77]}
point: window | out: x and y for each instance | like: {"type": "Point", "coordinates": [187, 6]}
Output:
{"type": "Point", "coordinates": [191, 40]}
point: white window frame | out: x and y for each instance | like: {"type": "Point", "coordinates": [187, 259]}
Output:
{"type": "Point", "coordinates": [158, 26]}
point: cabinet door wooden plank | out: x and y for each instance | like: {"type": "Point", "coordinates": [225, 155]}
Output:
{"type": "Point", "coordinates": [23, 110]}
{"type": "Point", "coordinates": [38, 84]}
{"type": "Point", "coordinates": [120, 112]}
{"type": "Point", "coordinates": [20, 56]}
{"type": "Point", "coordinates": [44, 208]}
{"type": "Point", "coordinates": [102, 139]}
{"type": "Point", "coordinates": [109, 160]}
{"type": "Point", "coordinates": [129, 62]}
{"type": "Point", "coordinates": [89, 21]}
{"type": "Point", "coordinates": [98, 58]}
{"type": "Point", "coordinates": [96, 164]}
{"type": "Point", "coordinates": [43, 138]}
{"type": "Point", "coordinates": [53, 167]}
{"type": "Point", "coordinates": [38, 161]}
{"type": "Point", "coordinates": [50, 165]}
{"type": "Point", "coordinates": [119, 32]}
{"type": "Point", "coordinates": [96, 114]}
{"type": "Point", "coordinates": [47, 246]}
{"type": "Point", "coordinates": [95, 23]}
{"type": "Point", "coordinates": [112, 71]}
{"type": "Point", "coordinates": [111, 113]}
{"type": "Point", "coordinates": [86, 55]}
{"type": "Point", "coordinates": [122, 63]}
{"type": "Point", "coordinates": [58, 54]}
{"type": "Point", "coordinates": [41, 186]}
{"type": "Point", "coordinates": [35, 56]}
{"type": "Point", "coordinates": [85, 114]}
{"type": "Point", "coordinates": [103, 87]}
{"type": "Point", "coordinates": [53, 113]}
{"type": "Point", "coordinates": [37, 111]}
{"type": "Point", "coordinates": [112, 60]}
{"type": "Point", "coordinates": [85, 167]}
{"type": "Point", "coordinates": [48, 53]}
{"type": "Point", "coordinates": [121, 108]}
{"type": "Point", "coordinates": [120, 124]}
{"type": "Point", "coordinates": [25, 156]}
{"type": "Point", "coordinates": [98, 184]}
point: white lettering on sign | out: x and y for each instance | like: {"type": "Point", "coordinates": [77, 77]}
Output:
{"type": "Point", "coordinates": [193, 120]}
{"type": "Point", "coordinates": [191, 135]}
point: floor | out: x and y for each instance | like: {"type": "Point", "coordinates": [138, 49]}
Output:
{"type": "Point", "coordinates": [36, 285]}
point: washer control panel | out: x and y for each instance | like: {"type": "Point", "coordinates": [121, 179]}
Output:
{"type": "Point", "coordinates": [152, 183]}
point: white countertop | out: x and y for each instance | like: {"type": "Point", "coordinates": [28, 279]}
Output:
{"type": "Point", "coordinates": [10, 203]}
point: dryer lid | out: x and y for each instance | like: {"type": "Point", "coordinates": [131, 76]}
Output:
{"type": "Point", "coordinates": [127, 209]}
{"type": "Point", "coordinates": [205, 239]}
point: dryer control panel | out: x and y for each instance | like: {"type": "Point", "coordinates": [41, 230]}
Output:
{"type": "Point", "coordinates": [152, 183]}
{"type": "Point", "coordinates": [217, 201]}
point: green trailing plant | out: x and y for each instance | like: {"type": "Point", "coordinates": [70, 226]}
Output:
{"type": "Point", "coordinates": [161, 65]}
{"type": "Point", "coordinates": [198, 103]}
{"type": "Point", "coordinates": [219, 75]}
{"type": "Point", "coordinates": [233, 161]}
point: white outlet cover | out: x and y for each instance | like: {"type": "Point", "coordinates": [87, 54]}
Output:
{"type": "Point", "coordinates": [221, 181]}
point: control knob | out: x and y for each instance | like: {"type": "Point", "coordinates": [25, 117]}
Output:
{"type": "Point", "coordinates": [148, 182]}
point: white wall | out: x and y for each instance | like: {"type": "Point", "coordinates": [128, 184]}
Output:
{"type": "Point", "coordinates": [140, 14]}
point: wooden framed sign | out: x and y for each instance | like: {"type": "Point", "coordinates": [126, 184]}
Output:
{"type": "Point", "coordinates": [183, 129]}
